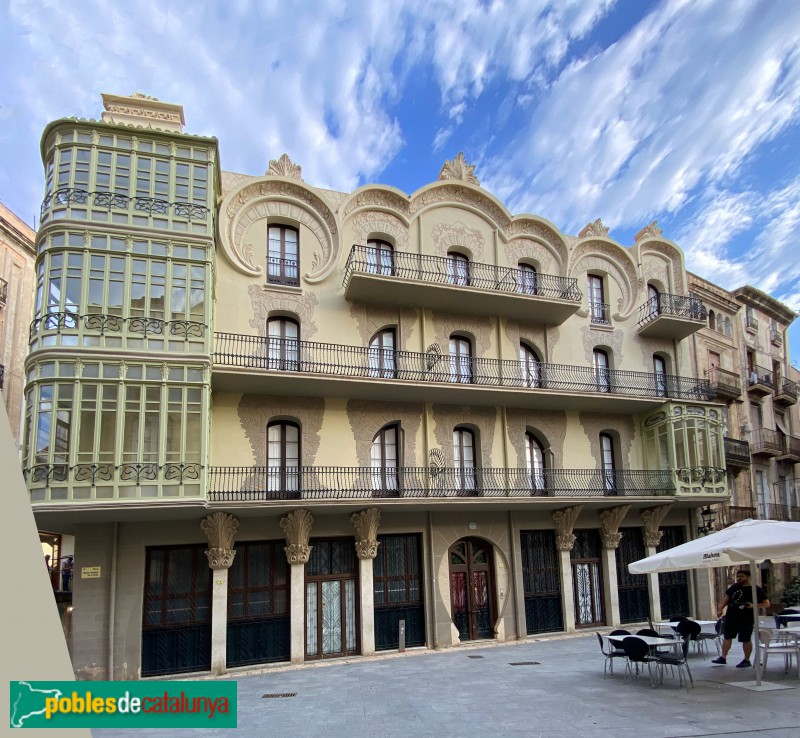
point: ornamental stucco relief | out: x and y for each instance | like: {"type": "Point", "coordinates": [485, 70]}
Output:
{"type": "Point", "coordinates": [565, 520]}
{"type": "Point", "coordinates": [527, 248]}
{"type": "Point", "coordinates": [263, 197]}
{"type": "Point", "coordinates": [531, 333]}
{"type": "Point", "coordinates": [607, 257]}
{"type": "Point", "coordinates": [255, 411]}
{"type": "Point", "coordinates": [552, 425]}
{"type": "Point", "coordinates": [459, 169]}
{"type": "Point", "coordinates": [610, 521]}
{"type": "Point", "coordinates": [652, 518]}
{"type": "Point", "coordinates": [595, 229]}
{"type": "Point", "coordinates": [444, 325]}
{"type": "Point", "coordinates": [484, 419]}
{"type": "Point", "coordinates": [266, 302]}
{"type": "Point", "coordinates": [367, 418]}
{"type": "Point", "coordinates": [555, 242]}
{"type": "Point", "coordinates": [367, 223]}
{"type": "Point", "coordinates": [377, 198]}
{"type": "Point", "coordinates": [283, 166]}
{"type": "Point", "coordinates": [594, 424]}
{"type": "Point", "coordinates": [650, 346]}
{"type": "Point", "coordinates": [651, 230]}
{"type": "Point", "coordinates": [591, 338]}
{"type": "Point", "coordinates": [672, 257]}
{"type": "Point", "coordinates": [456, 194]}
{"type": "Point", "coordinates": [371, 318]}
{"type": "Point", "coordinates": [447, 235]}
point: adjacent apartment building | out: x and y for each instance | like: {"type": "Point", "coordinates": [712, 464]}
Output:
{"type": "Point", "coordinates": [17, 257]}
{"type": "Point", "coordinates": [288, 424]}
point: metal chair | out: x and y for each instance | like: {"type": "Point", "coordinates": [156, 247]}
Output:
{"type": "Point", "coordinates": [611, 654]}
{"type": "Point", "coordinates": [716, 636]}
{"type": "Point", "coordinates": [691, 630]}
{"type": "Point", "coordinates": [678, 660]}
{"type": "Point", "coordinates": [638, 652]}
{"type": "Point", "coordinates": [780, 622]}
{"type": "Point", "coordinates": [785, 648]}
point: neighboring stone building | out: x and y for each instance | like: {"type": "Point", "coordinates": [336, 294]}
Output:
{"type": "Point", "coordinates": [17, 257]}
{"type": "Point", "coordinates": [281, 420]}
{"type": "Point", "coordinates": [744, 353]}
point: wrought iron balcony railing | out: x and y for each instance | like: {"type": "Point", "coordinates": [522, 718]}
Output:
{"type": "Point", "coordinates": [767, 441]}
{"type": "Point", "coordinates": [674, 306]}
{"type": "Point", "coordinates": [3, 291]}
{"type": "Point", "coordinates": [283, 271]}
{"type": "Point", "coordinates": [759, 376]}
{"type": "Point", "coordinates": [231, 483]}
{"type": "Point", "coordinates": [47, 474]}
{"type": "Point", "coordinates": [751, 322]}
{"type": "Point", "coordinates": [275, 354]}
{"type": "Point", "coordinates": [737, 513]}
{"type": "Point", "coordinates": [600, 313]}
{"type": "Point", "coordinates": [102, 324]}
{"type": "Point", "coordinates": [736, 450]}
{"type": "Point", "coordinates": [791, 446]}
{"type": "Point", "coordinates": [776, 336]}
{"type": "Point", "coordinates": [773, 511]}
{"type": "Point", "coordinates": [114, 201]}
{"type": "Point", "coordinates": [442, 270]}
{"type": "Point", "coordinates": [725, 381]}
{"type": "Point", "coordinates": [787, 389]}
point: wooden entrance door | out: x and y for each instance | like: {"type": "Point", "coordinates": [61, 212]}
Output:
{"type": "Point", "coordinates": [331, 600]}
{"type": "Point", "coordinates": [472, 589]}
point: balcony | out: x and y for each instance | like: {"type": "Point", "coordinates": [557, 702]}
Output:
{"type": "Point", "coordinates": [600, 313]}
{"type": "Point", "coordinates": [248, 484]}
{"type": "Point", "coordinates": [765, 442]}
{"type": "Point", "coordinates": [759, 381]}
{"type": "Point", "coordinates": [751, 323]}
{"type": "Point", "coordinates": [671, 316]}
{"type": "Point", "coordinates": [735, 514]}
{"type": "Point", "coordinates": [259, 365]}
{"type": "Point", "coordinates": [3, 292]}
{"type": "Point", "coordinates": [737, 453]}
{"type": "Point", "coordinates": [791, 449]}
{"type": "Point", "coordinates": [776, 336]}
{"type": "Point", "coordinates": [437, 283]}
{"type": "Point", "coordinates": [773, 511]}
{"type": "Point", "coordinates": [785, 392]}
{"type": "Point", "coordinates": [726, 385]}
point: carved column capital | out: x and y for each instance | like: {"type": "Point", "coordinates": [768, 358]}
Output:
{"type": "Point", "coordinates": [296, 527]}
{"type": "Point", "coordinates": [610, 521]}
{"type": "Point", "coordinates": [220, 529]}
{"type": "Point", "coordinates": [652, 517]}
{"type": "Point", "coordinates": [366, 524]}
{"type": "Point", "coordinates": [565, 522]}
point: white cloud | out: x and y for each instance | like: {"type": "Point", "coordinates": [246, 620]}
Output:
{"type": "Point", "coordinates": [441, 138]}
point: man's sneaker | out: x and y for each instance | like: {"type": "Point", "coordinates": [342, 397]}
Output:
{"type": "Point", "coordinates": [722, 660]}
{"type": "Point", "coordinates": [743, 664]}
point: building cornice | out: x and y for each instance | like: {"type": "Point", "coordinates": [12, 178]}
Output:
{"type": "Point", "coordinates": [749, 295]}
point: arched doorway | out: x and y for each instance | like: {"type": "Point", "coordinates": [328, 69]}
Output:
{"type": "Point", "coordinates": [472, 588]}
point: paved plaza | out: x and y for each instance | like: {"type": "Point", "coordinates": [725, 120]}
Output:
{"type": "Point", "coordinates": [494, 690]}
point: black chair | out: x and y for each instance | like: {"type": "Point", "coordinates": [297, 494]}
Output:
{"type": "Point", "coordinates": [780, 622]}
{"type": "Point", "coordinates": [678, 619]}
{"type": "Point", "coordinates": [612, 653]}
{"type": "Point", "coordinates": [677, 659]}
{"type": "Point", "coordinates": [620, 632]}
{"type": "Point", "coordinates": [691, 630]}
{"type": "Point", "coordinates": [648, 632]}
{"type": "Point", "coordinates": [716, 636]}
{"type": "Point", "coordinates": [638, 652]}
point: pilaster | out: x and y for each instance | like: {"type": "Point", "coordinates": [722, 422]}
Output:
{"type": "Point", "coordinates": [366, 524]}
{"type": "Point", "coordinates": [296, 527]}
{"type": "Point", "coordinates": [565, 539]}
{"type": "Point", "coordinates": [610, 521]}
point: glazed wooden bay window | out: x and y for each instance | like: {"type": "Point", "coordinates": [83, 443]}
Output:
{"type": "Point", "coordinates": [120, 300]}
{"type": "Point", "coordinates": [104, 438]}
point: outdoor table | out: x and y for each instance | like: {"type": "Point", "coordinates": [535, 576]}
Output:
{"type": "Point", "coordinates": [785, 619]}
{"type": "Point", "coordinates": [706, 626]}
{"type": "Point", "coordinates": [651, 641]}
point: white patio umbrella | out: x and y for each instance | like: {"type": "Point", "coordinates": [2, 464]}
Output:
{"type": "Point", "coordinates": [748, 542]}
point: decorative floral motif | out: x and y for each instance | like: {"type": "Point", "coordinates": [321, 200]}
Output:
{"type": "Point", "coordinates": [565, 520]}
{"type": "Point", "coordinates": [284, 167]}
{"type": "Point", "coordinates": [595, 229]}
{"type": "Point", "coordinates": [649, 231]}
{"type": "Point", "coordinates": [368, 417]}
{"type": "Point", "coordinates": [447, 235]}
{"type": "Point", "coordinates": [367, 223]}
{"type": "Point", "coordinates": [652, 517]}
{"type": "Point", "coordinates": [366, 524]}
{"type": "Point", "coordinates": [610, 521]}
{"type": "Point", "coordinates": [459, 169]}
{"type": "Point", "coordinates": [450, 192]}
{"type": "Point", "coordinates": [296, 526]}
{"type": "Point", "coordinates": [612, 259]}
{"type": "Point", "coordinates": [377, 197]}
{"type": "Point", "coordinates": [265, 302]}
{"type": "Point", "coordinates": [220, 529]}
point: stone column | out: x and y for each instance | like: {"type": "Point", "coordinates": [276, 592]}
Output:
{"type": "Point", "coordinates": [609, 524]}
{"type": "Point", "coordinates": [220, 529]}
{"type": "Point", "coordinates": [296, 527]}
{"type": "Point", "coordinates": [366, 524]}
{"type": "Point", "coordinates": [565, 540]}
{"type": "Point", "coordinates": [652, 517]}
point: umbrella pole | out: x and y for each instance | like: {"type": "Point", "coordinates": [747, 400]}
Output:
{"type": "Point", "coordinates": [754, 590]}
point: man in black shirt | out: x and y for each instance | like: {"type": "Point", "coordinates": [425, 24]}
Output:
{"type": "Point", "coordinates": [739, 617]}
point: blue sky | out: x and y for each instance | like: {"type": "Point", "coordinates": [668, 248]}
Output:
{"type": "Point", "coordinates": [684, 111]}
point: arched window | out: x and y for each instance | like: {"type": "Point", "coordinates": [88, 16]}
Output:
{"type": "Point", "coordinates": [460, 360]}
{"type": "Point", "coordinates": [464, 460]}
{"type": "Point", "coordinates": [380, 257]}
{"type": "Point", "coordinates": [653, 300]}
{"type": "Point", "coordinates": [283, 458]}
{"type": "Point", "coordinates": [384, 460]}
{"type": "Point", "coordinates": [283, 347]}
{"type": "Point", "coordinates": [283, 265]}
{"type": "Point", "coordinates": [530, 366]}
{"type": "Point", "coordinates": [660, 371]}
{"type": "Point", "coordinates": [712, 320]}
{"type": "Point", "coordinates": [457, 269]}
{"type": "Point", "coordinates": [728, 331]}
{"type": "Point", "coordinates": [534, 458]}
{"type": "Point", "coordinates": [602, 373]}
{"type": "Point", "coordinates": [607, 461]}
{"type": "Point", "coordinates": [526, 279]}
{"type": "Point", "coordinates": [382, 355]}
{"type": "Point", "coordinates": [598, 310]}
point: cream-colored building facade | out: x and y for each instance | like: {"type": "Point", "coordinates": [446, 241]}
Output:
{"type": "Point", "coordinates": [17, 256]}
{"type": "Point", "coordinates": [287, 424]}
